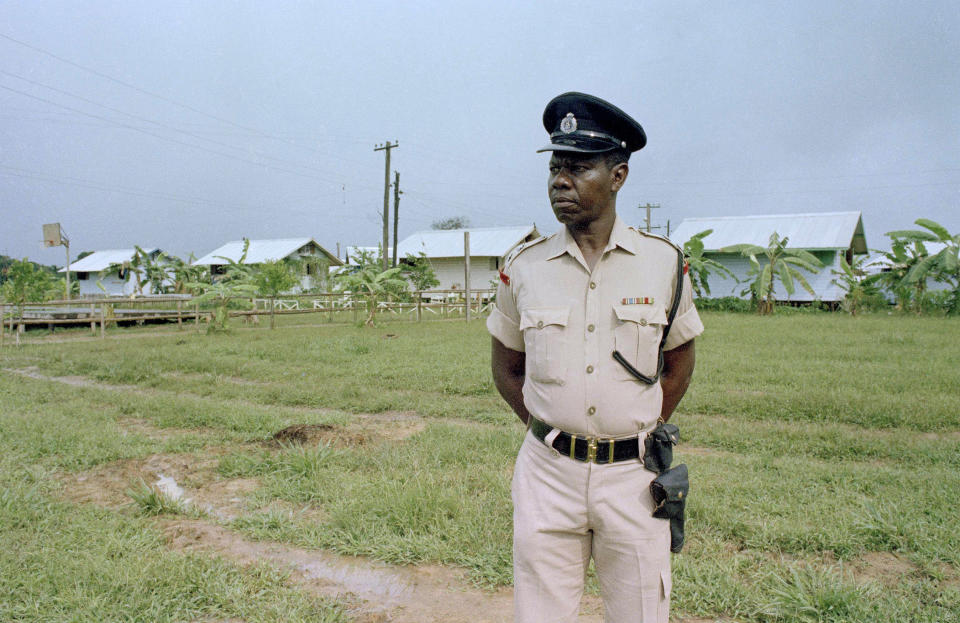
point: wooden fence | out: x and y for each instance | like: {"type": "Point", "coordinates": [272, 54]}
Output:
{"type": "Point", "coordinates": [332, 307]}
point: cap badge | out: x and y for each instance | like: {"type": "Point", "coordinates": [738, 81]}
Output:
{"type": "Point", "coordinates": [568, 124]}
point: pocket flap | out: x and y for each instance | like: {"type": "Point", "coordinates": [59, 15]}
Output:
{"type": "Point", "coordinates": [666, 584]}
{"type": "Point", "coordinates": [540, 317]}
{"type": "Point", "coordinates": [641, 314]}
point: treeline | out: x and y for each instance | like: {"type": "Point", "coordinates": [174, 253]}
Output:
{"type": "Point", "coordinates": [7, 262]}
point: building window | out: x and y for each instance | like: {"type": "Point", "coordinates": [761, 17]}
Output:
{"type": "Point", "coordinates": [494, 261]}
{"type": "Point", "coordinates": [83, 276]}
{"type": "Point", "coordinates": [218, 269]}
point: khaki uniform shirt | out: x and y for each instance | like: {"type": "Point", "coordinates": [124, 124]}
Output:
{"type": "Point", "coordinates": [569, 320]}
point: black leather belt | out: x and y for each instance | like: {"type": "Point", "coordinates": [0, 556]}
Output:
{"type": "Point", "coordinates": [587, 449]}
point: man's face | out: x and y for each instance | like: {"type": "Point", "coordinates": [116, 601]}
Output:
{"type": "Point", "coordinates": [582, 187]}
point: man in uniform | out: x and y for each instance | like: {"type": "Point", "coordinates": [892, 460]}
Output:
{"type": "Point", "coordinates": [577, 336]}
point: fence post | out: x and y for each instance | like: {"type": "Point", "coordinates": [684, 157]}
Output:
{"type": "Point", "coordinates": [196, 316]}
{"type": "Point", "coordinates": [103, 321]}
{"type": "Point", "coordinates": [419, 306]}
{"type": "Point", "coordinates": [93, 320]}
{"type": "Point", "coordinates": [179, 315]}
{"type": "Point", "coordinates": [3, 328]}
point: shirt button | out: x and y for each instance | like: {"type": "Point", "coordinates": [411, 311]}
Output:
{"type": "Point", "coordinates": [593, 285]}
{"type": "Point", "coordinates": [540, 325]}
{"type": "Point", "coordinates": [591, 410]}
{"type": "Point", "coordinates": [591, 328]}
{"type": "Point", "coordinates": [589, 369]}
{"type": "Point", "coordinates": [643, 322]}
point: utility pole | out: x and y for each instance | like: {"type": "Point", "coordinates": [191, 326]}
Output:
{"type": "Point", "coordinates": [649, 207]}
{"type": "Point", "coordinates": [466, 273]}
{"type": "Point", "coordinates": [396, 211]}
{"type": "Point", "coordinates": [386, 200]}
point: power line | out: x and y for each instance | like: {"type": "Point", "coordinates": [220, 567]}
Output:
{"type": "Point", "coordinates": [164, 138]}
{"type": "Point", "coordinates": [147, 120]}
{"type": "Point", "coordinates": [159, 96]}
{"type": "Point", "coordinates": [149, 194]}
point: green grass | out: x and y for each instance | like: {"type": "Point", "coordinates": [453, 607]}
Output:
{"type": "Point", "coordinates": [814, 441]}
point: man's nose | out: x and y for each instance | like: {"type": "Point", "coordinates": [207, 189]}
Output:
{"type": "Point", "coordinates": [560, 180]}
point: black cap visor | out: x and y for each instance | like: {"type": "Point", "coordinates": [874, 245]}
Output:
{"type": "Point", "coordinates": [580, 144]}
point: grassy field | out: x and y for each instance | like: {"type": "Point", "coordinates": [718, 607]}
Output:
{"type": "Point", "coordinates": [824, 453]}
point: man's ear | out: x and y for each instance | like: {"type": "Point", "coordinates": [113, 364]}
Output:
{"type": "Point", "coordinates": [619, 175]}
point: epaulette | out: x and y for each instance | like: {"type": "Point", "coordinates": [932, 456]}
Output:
{"type": "Point", "coordinates": [521, 248]}
{"type": "Point", "coordinates": [658, 237]}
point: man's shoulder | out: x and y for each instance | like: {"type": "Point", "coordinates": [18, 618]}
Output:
{"type": "Point", "coordinates": [646, 235]}
{"type": "Point", "coordinates": [523, 248]}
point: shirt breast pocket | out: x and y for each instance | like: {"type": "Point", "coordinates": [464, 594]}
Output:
{"type": "Point", "coordinates": [637, 337]}
{"type": "Point", "coordinates": [545, 339]}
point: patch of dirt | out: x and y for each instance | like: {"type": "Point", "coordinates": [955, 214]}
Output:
{"type": "Point", "coordinates": [33, 372]}
{"type": "Point", "coordinates": [141, 426]}
{"type": "Point", "coordinates": [106, 485]}
{"type": "Point", "coordinates": [375, 592]}
{"type": "Point", "coordinates": [886, 568]}
{"type": "Point", "coordinates": [315, 434]}
{"type": "Point", "coordinates": [199, 376]}
{"type": "Point", "coordinates": [952, 434]}
{"type": "Point", "coordinates": [390, 425]}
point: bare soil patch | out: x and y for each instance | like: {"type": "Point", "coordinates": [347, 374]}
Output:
{"type": "Point", "coordinates": [374, 592]}
{"type": "Point", "coordinates": [886, 568]}
{"type": "Point", "coordinates": [141, 426]}
{"type": "Point", "coordinates": [106, 485]}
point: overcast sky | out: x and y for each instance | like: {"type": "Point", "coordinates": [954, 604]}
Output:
{"type": "Point", "coordinates": [184, 125]}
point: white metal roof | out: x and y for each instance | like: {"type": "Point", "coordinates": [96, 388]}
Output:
{"type": "Point", "coordinates": [484, 241]}
{"type": "Point", "coordinates": [818, 230]}
{"type": "Point", "coordinates": [261, 251]}
{"type": "Point", "coordinates": [101, 260]}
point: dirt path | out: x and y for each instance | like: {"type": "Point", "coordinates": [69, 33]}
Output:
{"type": "Point", "coordinates": [373, 592]}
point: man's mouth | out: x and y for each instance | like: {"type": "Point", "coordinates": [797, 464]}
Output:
{"type": "Point", "coordinates": [562, 202]}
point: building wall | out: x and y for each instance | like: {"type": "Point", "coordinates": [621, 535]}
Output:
{"type": "Point", "coordinates": [114, 285]}
{"type": "Point", "coordinates": [721, 285]}
{"type": "Point", "coordinates": [450, 272]}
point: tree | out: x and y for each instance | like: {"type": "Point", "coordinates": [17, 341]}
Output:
{"type": "Point", "coordinates": [417, 270]}
{"type": "Point", "coordinates": [853, 280]}
{"type": "Point", "coordinates": [781, 263]}
{"type": "Point", "coordinates": [900, 259]}
{"type": "Point", "coordinates": [451, 222]}
{"type": "Point", "coordinates": [942, 266]}
{"type": "Point", "coordinates": [236, 282]}
{"type": "Point", "coordinates": [700, 266]}
{"type": "Point", "coordinates": [274, 277]}
{"type": "Point", "coordinates": [183, 272]}
{"type": "Point", "coordinates": [26, 283]}
{"type": "Point", "coordinates": [373, 285]}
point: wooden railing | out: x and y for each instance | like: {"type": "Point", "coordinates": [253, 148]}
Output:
{"type": "Point", "coordinates": [333, 307]}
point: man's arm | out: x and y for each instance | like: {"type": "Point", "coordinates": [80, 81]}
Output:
{"type": "Point", "coordinates": [509, 369]}
{"type": "Point", "coordinates": [677, 371]}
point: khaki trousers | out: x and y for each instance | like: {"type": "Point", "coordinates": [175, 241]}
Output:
{"type": "Point", "coordinates": [564, 512]}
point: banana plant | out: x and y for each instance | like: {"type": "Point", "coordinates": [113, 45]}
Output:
{"type": "Point", "coordinates": [373, 285]}
{"type": "Point", "coordinates": [700, 267]}
{"type": "Point", "coordinates": [853, 280]}
{"type": "Point", "coordinates": [942, 266]}
{"type": "Point", "coordinates": [236, 283]}
{"type": "Point", "coordinates": [782, 264]}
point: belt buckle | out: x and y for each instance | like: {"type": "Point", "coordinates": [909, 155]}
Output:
{"type": "Point", "coordinates": [591, 450]}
